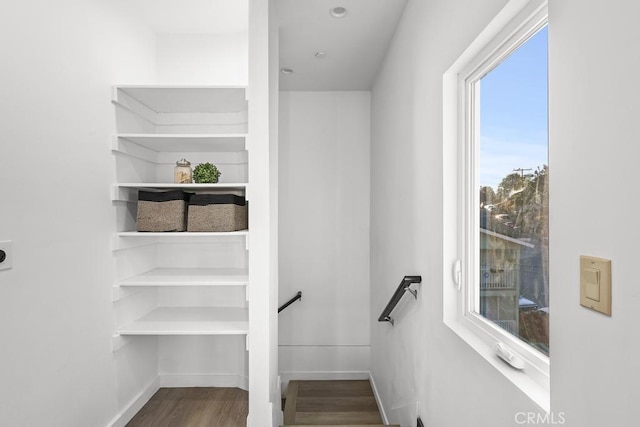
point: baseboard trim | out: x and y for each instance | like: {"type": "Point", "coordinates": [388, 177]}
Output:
{"type": "Point", "coordinates": [279, 412]}
{"type": "Point", "coordinates": [204, 380]}
{"type": "Point", "coordinates": [127, 414]}
{"type": "Point", "coordinates": [383, 414]}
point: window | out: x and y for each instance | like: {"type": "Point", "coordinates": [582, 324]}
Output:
{"type": "Point", "coordinates": [496, 139]}
{"type": "Point", "coordinates": [511, 287]}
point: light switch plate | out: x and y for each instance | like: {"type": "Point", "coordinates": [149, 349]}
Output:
{"type": "Point", "coordinates": [595, 284]}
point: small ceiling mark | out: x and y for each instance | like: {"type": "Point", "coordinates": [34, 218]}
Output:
{"type": "Point", "coordinates": [286, 70]}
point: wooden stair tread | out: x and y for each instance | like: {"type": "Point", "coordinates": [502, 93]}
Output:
{"type": "Point", "coordinates": [337, 388]}
{"type": "Point", "coordinates": [333, 418]}
{"type": "Point", "coordinates": [336, 403]}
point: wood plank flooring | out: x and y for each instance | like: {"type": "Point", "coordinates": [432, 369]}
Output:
{"type": "Point", "coordinates": [308, 403]}
{"type": "Point", "coordinates": [194, 407]}
{"type": "Point", "coordinates": [336, 403]}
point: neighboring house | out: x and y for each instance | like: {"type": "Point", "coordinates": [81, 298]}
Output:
{"type": "Point", "coordinates": [500, 278]}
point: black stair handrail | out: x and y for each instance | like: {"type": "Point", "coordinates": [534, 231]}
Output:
{"type": "Point", "coordinates": [291, 301]}
{"type": "Point", "coordinates": [404, 286]}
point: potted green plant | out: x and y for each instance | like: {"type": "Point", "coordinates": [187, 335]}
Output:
{"type": "Point", "coordinates": [206, 173]}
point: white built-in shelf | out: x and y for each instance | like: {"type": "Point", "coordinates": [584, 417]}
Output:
{"type": "Point", "coordinates": [187, 99]}
{"type": "Point", "coordinates": [166, 185]}
{"type": "Point", "coordinates": [156, 125]}
{"type": "Point", "coordinates": [188, 142]}
{"type": "Point", "coordinates": [190, 321]}
{"type": "Point", "coordinates": [181, 234]}
{"type": "Point", "coordinates": [124, 191]}
{"type": "Point", "coordinates": [189, 277]}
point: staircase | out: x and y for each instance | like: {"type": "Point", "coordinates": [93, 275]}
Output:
{"type": "Point", "coordinates": [335, 403]}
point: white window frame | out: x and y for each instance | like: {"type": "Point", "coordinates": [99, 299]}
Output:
{"type": "Point", "coordinates": [514, 25]}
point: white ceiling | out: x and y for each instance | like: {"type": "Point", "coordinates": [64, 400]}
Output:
{"type": "Point", "coordinates": [355, 45]}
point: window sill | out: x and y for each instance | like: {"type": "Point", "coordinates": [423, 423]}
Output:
{"type": "Point", "coordinates": [537, 391]}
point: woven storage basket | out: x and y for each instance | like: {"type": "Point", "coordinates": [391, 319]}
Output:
{"type": "Point", "coordinates": [217, 212]}
{"type": "Point", "coordinates": [162, 211]}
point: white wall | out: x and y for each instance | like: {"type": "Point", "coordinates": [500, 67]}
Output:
{"type": "Point", "coordinates": [422, 368]}
{"type": "Point", "coordinates": [594, 151]}
{"type": "Point", "coordinates": [264, 401]}
{"type": "Point", "coordinates": [214, 59]}
{"type": "Point", "coordinates": [56, 314]}
{"type": "Point", "coordinates": [274, 212]}
{"type": "Point", "coordinates": [324, 234]}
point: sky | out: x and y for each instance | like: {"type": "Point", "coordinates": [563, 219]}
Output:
{"type": "Point", "coordinates": [513, 123]}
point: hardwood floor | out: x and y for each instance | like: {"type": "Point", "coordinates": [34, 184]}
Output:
{"type": "Point", "coordinates": [309, 403]}
{"type": "Point", "coordinates": [194, 407]}
{"type": "Point", "coordinates": [336, 403]}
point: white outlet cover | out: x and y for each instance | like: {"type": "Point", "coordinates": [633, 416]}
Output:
{"type": "Point", "coordinates": [8, 262]}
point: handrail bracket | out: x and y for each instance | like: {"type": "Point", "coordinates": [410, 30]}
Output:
{"type": "Point", "coordinates": [411, 291]}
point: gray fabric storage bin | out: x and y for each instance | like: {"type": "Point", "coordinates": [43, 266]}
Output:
{"type": "Point", "coordinates": [217, 212]}
{"type": "Point", "coordinates": [162, 210]}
